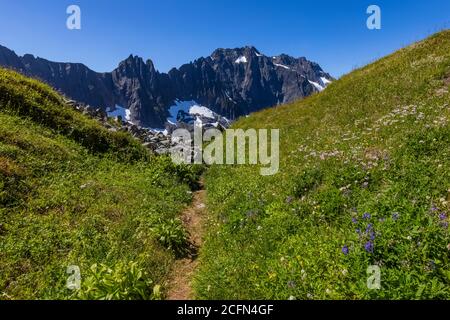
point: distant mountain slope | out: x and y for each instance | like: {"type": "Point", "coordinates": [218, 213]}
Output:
{"type": "Point", "coordinates": [231, 82]}
{"type": "Point", "coordinates": [364, 183]}
{"type": "Point", "coordinates": [73, 193]}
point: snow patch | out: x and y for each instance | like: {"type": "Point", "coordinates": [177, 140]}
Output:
{"type": "Point", "coordinates": [177, 107]}
{"type": "Point", "coordinates": [189, 107]}
{"type": "Point", "coordinates": [163, 131]}
{"type": "Point", "coordinates": [202, 111]}
{"type": "Point", "coordinates": [316, 85]}
{"type": "Point", "coordinates": [229, 98]}
{"type": "Point", "coordinates": [282, 66]}
{"type": "Point", "coordinates": [124, 113]}
{"type": "Point", "coordinates": [258, 54]}
{"type": "Point", "coordinates": [241, 59]}
{"type": "Point", "coordinates": [325, 81]}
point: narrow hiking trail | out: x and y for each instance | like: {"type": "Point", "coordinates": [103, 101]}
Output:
{"type": "Point", "coordinates": [193, 217]}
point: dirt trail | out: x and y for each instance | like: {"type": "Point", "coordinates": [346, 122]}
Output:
{"type": "Point", "coordinates": [180, 281]}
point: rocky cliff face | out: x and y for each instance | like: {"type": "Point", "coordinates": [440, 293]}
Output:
{"type": "Point", "coordinates": [235, 82]}
{"type": "Point", "coordinates": [230, 82]}
{"type": "Point", "coordinates": [145, 92]}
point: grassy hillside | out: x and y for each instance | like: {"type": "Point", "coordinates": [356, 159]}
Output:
{"type": "Point", "coordinates": [364, 180]}
{"type": "Point", "coordinates": [73, 193]}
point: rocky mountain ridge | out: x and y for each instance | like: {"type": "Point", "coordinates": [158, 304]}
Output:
{"type": "Point", "coordinates": [230, 82]}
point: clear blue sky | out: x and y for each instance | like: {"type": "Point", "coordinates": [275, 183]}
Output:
{"type": "Point", "coordinates": [172, 32]}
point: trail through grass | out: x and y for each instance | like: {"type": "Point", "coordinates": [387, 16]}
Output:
{"type": "Point", "coordinates": [182, 275]}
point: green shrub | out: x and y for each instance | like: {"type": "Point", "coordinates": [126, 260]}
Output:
{"type": "Point", "coordinates": [307, 181]}
{"type": "Point", "coordinates": [171, 234]}
{"type": "Point", "coordinates": [124, 281]}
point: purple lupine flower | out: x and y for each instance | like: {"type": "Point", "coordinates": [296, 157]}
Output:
{"type": "Point", "coordinates": [354, 220]}
{"type": "Point", "coordinates": [345, 250]}
{"type": "Point", "coordinates": [369, 246]}
{"type": "Point", "coordinates": [433, 208]}
{"type": "Point", "coordinates": [395, 216]}
{"type": "Point", "coordinates": [369, 227]}
{"type": "Point", "coordinates": [358, 231]}
{"type": "Point", "coordinates": [442, 216]}
{"type": "Point", "coordinates": [445, 225]}
{"type": "Point", "coordinates": [366, 216]}
{"type": "Point", "coordinates": [372, 235]}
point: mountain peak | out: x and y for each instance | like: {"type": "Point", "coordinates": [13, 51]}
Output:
{"type": "Point", "coordinates": [134, 59]}
{"type": "Point", "coordinates": [247, 51]}
{"type": "Point", "coordinates": [232, 82]}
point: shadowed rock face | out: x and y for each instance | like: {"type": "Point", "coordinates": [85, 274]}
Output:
{"type": "Point", "coordinates": [231, 82]}
{"type": "Point", "coordinates": [140, 88]}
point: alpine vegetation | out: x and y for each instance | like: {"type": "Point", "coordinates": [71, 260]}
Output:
{"type": "Point", "coordinates": [360, 206]}
{"type": "Point", "coordinates": [237, 176]}
{"type": "Point", "coordinates": [85, 213]}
